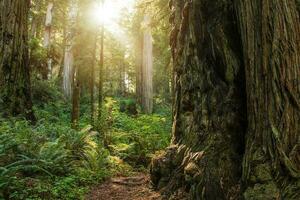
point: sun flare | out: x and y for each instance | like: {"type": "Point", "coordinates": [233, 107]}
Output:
{"type": "Point", "coordinates": [110, 12]}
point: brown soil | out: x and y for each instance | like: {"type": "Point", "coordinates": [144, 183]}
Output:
{"type": "Point", "coordinates": [124, 188]}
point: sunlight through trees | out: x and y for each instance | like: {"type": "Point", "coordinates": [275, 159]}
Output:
{"type": "Point", "coordinates": [150, 99]}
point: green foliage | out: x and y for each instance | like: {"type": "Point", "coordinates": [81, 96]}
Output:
{"type": "Point", "coordinates": [48, 160]}
{"type": "Point", "coordinates": [129, 106]}
{"type": "Point", "coordinates": [44, 92]}
{"type": "Point", "coordinates": [52, 161]}
{"type": "Point", "coordinates": [38, 54]}
{"type": "Point", "coordinates": [136, 138]}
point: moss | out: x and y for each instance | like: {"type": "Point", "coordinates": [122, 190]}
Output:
{"type": "Point", "coordinates": [267, 191]}
{"type": "Point", "coordinates": [261, 173]}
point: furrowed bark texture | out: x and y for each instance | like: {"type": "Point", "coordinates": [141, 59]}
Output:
{"type": "Point", "coordinates": [270, 32]}
{"type": "Point", "coordinates": [209, 108]}
{"type": "Point", "coordinates": [236, 80]}
{"type": "Point", "coordinates": [15, 94]}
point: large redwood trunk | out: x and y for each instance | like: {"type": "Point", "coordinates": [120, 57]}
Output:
{"type": "Point", "coordinates": [271, 40]}
{"type": "Point", "coordinates": [209, 108]}
{"type": "Point", "coordinates": [237, 91]}
{"type": "Point", "coordinates": [15, 94]}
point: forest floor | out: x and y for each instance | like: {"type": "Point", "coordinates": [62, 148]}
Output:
{"type": "Point", "coordinates": [124, 188]}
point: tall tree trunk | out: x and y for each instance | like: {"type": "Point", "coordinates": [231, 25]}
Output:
{"type": "Point", "coordinates": [147, 69]}
{"type": "Point", "coordinates": [64, 42]}
{"type": "Point", "coordinates": [122, 76]}
{"type": "Point", "coordinates": [209, 106]}
{"type": "Point", "coordinates": [67, 73]}
{"type": "Point", "coordinates": [222, 95]}
{"type": "Point", "coordinates": [75, 98]}
{"type": "Point", "coordinates": [47, 39]}
{"type": "Point", "coordinates": [139, 64]}
{"type": "Point", "coordinates": [36, 21]}
{"type": "Point", "coordinates": [92, 81]}
{"type": "Point", "coordinates": [271, 39]}
{"type": "Point", "coordinates": [69, 43]}
{"type": "Point", "coordinates": [101, 66]}
{"type": "Point", "coordinates": [15, 94]}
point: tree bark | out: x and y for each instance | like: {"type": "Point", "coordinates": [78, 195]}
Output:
{"type": "Point", "coordinates": [92, 81]}
{"type": "Point", "coordinates": [147, 69]}
{"type": "Point", "coordinates": [15, 92]}
{"type": "Point", "coordinates": [101, 71]}
{"type": "Point", "coordinates": [270, 31]}
{"type": "Point", "coordinates": [121, 77]}
{"type": "Point", "coordinates": [47, 39]}
{"type": "Point", "coordinates": [139, 64]}
{"type": "Point", "coordinates": [64, 42]}
{"type": "Point", "coordinates": [209, 107]}
{"type": "Point", "coordinates": [237, 91]}
{"type": "Point", "coordinates": [75, 98]}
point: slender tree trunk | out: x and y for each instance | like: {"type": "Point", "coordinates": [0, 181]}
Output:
{"type": "Point", "coordinates": [101, 66]}
{"type": "Point", "coordinates": [69, 44]}
{"type": "Point", "coordinates": [47, 39]}
{"type": "Point", "coordinates": [92, 83]}
{"type": "Point", "coordinates": [75, 98]}
{"type": "Point", "coordinates": [147, 69]}
{"type": "Point", "coordinates": [271, 39]}
{"type": "Point", "coordinates": [64, 44]}
{"type": "Point", "coordinates": [67, 73]}
{"type": "Point", "coordinates": [15, 93]}
{"type": "Point", "coordinates": [83, 55]}
{"type": "Point", "coordinates": [36, 20]}
{"type": "Point", "coordinates": [139, 65]}
{"type": "Point", "coordinates": [122, 77]}
{"type": "Point", "coordinates": [124, 88]}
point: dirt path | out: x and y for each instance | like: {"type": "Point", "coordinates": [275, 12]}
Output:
{"type": "Point", "coordinates": [124, 188]}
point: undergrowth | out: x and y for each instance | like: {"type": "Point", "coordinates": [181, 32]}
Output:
{"type": "Point", "coordinates": [49, 160]}
{"type": "Point", "coordinates": [135, 138]}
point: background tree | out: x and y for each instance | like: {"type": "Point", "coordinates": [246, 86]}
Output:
{"type": "Point", "coordinates": [83, 51]}
{"type": "Point", "coordinates": [101, 69]}
{"type": "Point", "coordinates": [147, 67]}
{"type": "Point", "coordinates": [14, 59]}
{"type": "Point", "coordinates": [47, 37]}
